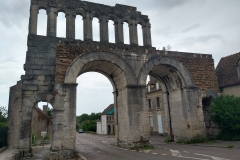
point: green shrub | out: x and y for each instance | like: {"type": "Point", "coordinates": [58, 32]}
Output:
{"type": "Point", "coordinates": [199, 139]}
{"type": "Point", "coordinates": [34, 139]}
{"type": "Point", "coordinates": [46, 137]}
{"type": "Point", "coordinates": [225, 111]}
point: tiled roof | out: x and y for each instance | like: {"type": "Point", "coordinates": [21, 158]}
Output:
{"type": "Point", "coordinates": [107, 109]}
{"type": "Point", "coordinates": [227, 71]}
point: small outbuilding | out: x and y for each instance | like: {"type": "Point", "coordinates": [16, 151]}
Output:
{"type": "Point", "coordinates": [228, 74]}
{"type": "Point", "coordinates": [106, 123]}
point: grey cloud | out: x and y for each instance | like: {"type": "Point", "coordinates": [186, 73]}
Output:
{"type": "Point", "coordinates": [9, 9]}
{"type": "Point", "coordinates": [191, 28]}
{"type": "Point", "coordinates": [208, 37]}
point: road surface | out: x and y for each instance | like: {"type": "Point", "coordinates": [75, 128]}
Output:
{"type": "Point", "coordinates": [99, 147]}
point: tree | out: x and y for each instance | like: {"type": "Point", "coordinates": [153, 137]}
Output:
{"type": "Point", "coordinates": [3, 115]}
{"type": "Point", "coordinates": [225, 111]}
{"type": "Point", "coordinates": [168, 48]}
{"type": "Point", "coordinates": [87, 122]}
{"type": "Point", "coordinates": [50, 112]}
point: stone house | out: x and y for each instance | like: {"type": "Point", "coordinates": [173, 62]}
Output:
{"type": "Point", "coordinates": [155, 106]}
{"type": "Point", "coordinates": [41, 122]}
{"type": "Point", "coordinates": [106, 122]}
{"type": "Point", "coordinates": [228, 74]}
{"type": "Point", "coordinates": [160, 117]}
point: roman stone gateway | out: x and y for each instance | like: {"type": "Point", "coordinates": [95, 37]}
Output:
{"type": "Point", "coordinates": [53, 64]}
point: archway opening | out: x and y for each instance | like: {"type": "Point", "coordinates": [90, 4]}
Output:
{"type": "Point", "coordinates": [94, 95]}
{"type": "Point", "coordinates": [61, 25]}
{"type": "Point", "coordinates": [209, 125]}
{"type": "Point", "coordinates": [41, 123]}
{"type": "Point", "coordinates": [96, 29]}
{"type": "Point", "coordinates": [111, 31]}
{"type": "Point", "coordinates": [42, 22]}
{"type": "Point", "coordinates": [126, 33]}
{"type": "Point", "coordinates": [164, 100]}
{"type": "Point", "coordinates": [140, 35]}
{"type": "Point", "coordinates": [79, 27]}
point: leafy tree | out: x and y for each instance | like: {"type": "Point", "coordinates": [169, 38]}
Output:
{"type": "Point", "coordinates": [3, 115]}
{"type": "Point", "coordinates": [87, 122]}
{"type": "Point", "coordinates": [225, 111]}
{"type": "Point", "coordinates": [50, 112]}
{"type": "Point", "coordinates": [167, 48]}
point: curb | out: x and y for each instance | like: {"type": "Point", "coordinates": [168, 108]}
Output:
{"type": "Point", "coordinates": [202, 145]}
{"type": "Point", "coordinates": [81, 156]}
{"type": "Point", "coordinates": [3, 149]}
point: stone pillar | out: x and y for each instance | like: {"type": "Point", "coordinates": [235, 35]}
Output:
{"type": "Point", "coordinates": [115, 94]}
{"type": "Point", "coordinates": [166, 119]}
{"type": "Point", "coordinates": [64, 121]}
{"type": "Point", "coordinates": [33, 19]}
{"type": "Point", "coordinates": [146, 29]}
{"type": "Point", "coordinates": [118, 25]}
{"type": "Point", "coordinates": [52, 23]}
{"type": "Point", "coordinates": [87, 27]}
{"type": "Point", "coordinates": [103, 29]}
{"type": "Point", "coordinates": [133, 118]}
{"type": "Point", "coordinates": [133, 32]}
{"type": "Point", "coordinates": [14, 117]}
{"type": "Point", "coordinates": [70, 28]}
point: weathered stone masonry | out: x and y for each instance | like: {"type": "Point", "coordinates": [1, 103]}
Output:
{"type": "Point", "coordinates": [200, 66]}
{"type": "Point", "coordinates": [53, 64]}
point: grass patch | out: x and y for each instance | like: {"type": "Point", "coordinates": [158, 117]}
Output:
{"type": "Point", "coordinates": [230, 146]}
{"type": "Point", "coordinates": [145, 147]}
{"type": "Point", "coordinates": [199, 139]}
{"type": "Point", "coordinates": [168, 140]}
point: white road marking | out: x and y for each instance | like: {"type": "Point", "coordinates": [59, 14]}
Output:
{"type": "Point", "coordinates": [186, 151]}
{"type": "Point", "coordinates": [164, 154]}
{"type": "Point", "coordinates": [176, 153]}
{"type": "Point", "coordinates": [154, 153]}
{"type": "Point", "coordinates": [214, 158]}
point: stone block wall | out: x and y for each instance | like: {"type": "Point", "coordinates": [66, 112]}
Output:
{"type": "Point", "coordinates": [200, 66]}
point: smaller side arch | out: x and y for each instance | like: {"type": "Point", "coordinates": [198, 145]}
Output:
{"type": "Point", "coordinates": [44, 8]}
{"type": "Point", "coordinates": [95, 14]}
{"type": "Point", "coordinates": [206, 94]}
{"type": "Point", "coordinates": [61, 10]}
{"type": "Point", "coordinates": [111, 17]}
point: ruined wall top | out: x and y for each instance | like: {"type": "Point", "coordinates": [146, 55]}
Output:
{"type": "Point", "coordinates": [81, 7]}
{"type": "Point", "coordinates": [88, 10]}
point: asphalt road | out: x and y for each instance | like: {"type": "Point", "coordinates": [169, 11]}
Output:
{"type": "Point", "coordinates": [98, 147]}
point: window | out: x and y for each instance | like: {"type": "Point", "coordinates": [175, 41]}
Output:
{"type": "Point", "coordinates": [237, 64]}
{"type": "Point", "coordinates": [238, 70]}
{"type": "Point", "coordinates": [149, 89]}
{"type": "Point", "coordinates": [111, 31]}
{"type": "Point", "coordinates": [61, 25]}
{"type": "Point", "coordinates": [151, 121]}
{"type": "Point", "coordinates": [149, 104]}
{"type": "Point", "coordinates": [126, 33]}
{"type": "Point", "coordinates": [140, 37]}
{"type": "Point", "coordinates": [96, 30]}
{"type": "Point", "coordinates": [79, 27]}
{"type": "Point", "coordinates": [157, 86]}
{"type": "Point", "coordinates": [158, 103]}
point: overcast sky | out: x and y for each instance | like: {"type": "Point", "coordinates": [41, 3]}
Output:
{"type": "Point", "coordinates": [198, 26]}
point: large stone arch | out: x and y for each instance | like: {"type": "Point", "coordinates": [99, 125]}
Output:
{"type": "Point", "coordinates": [131, 116]}
{"type": "Point", "coordinates": [77, 65]}
{"type": "Point", "coordinates": [161, 60]}
{"type": "Point", "coordinates": [178, 93]}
